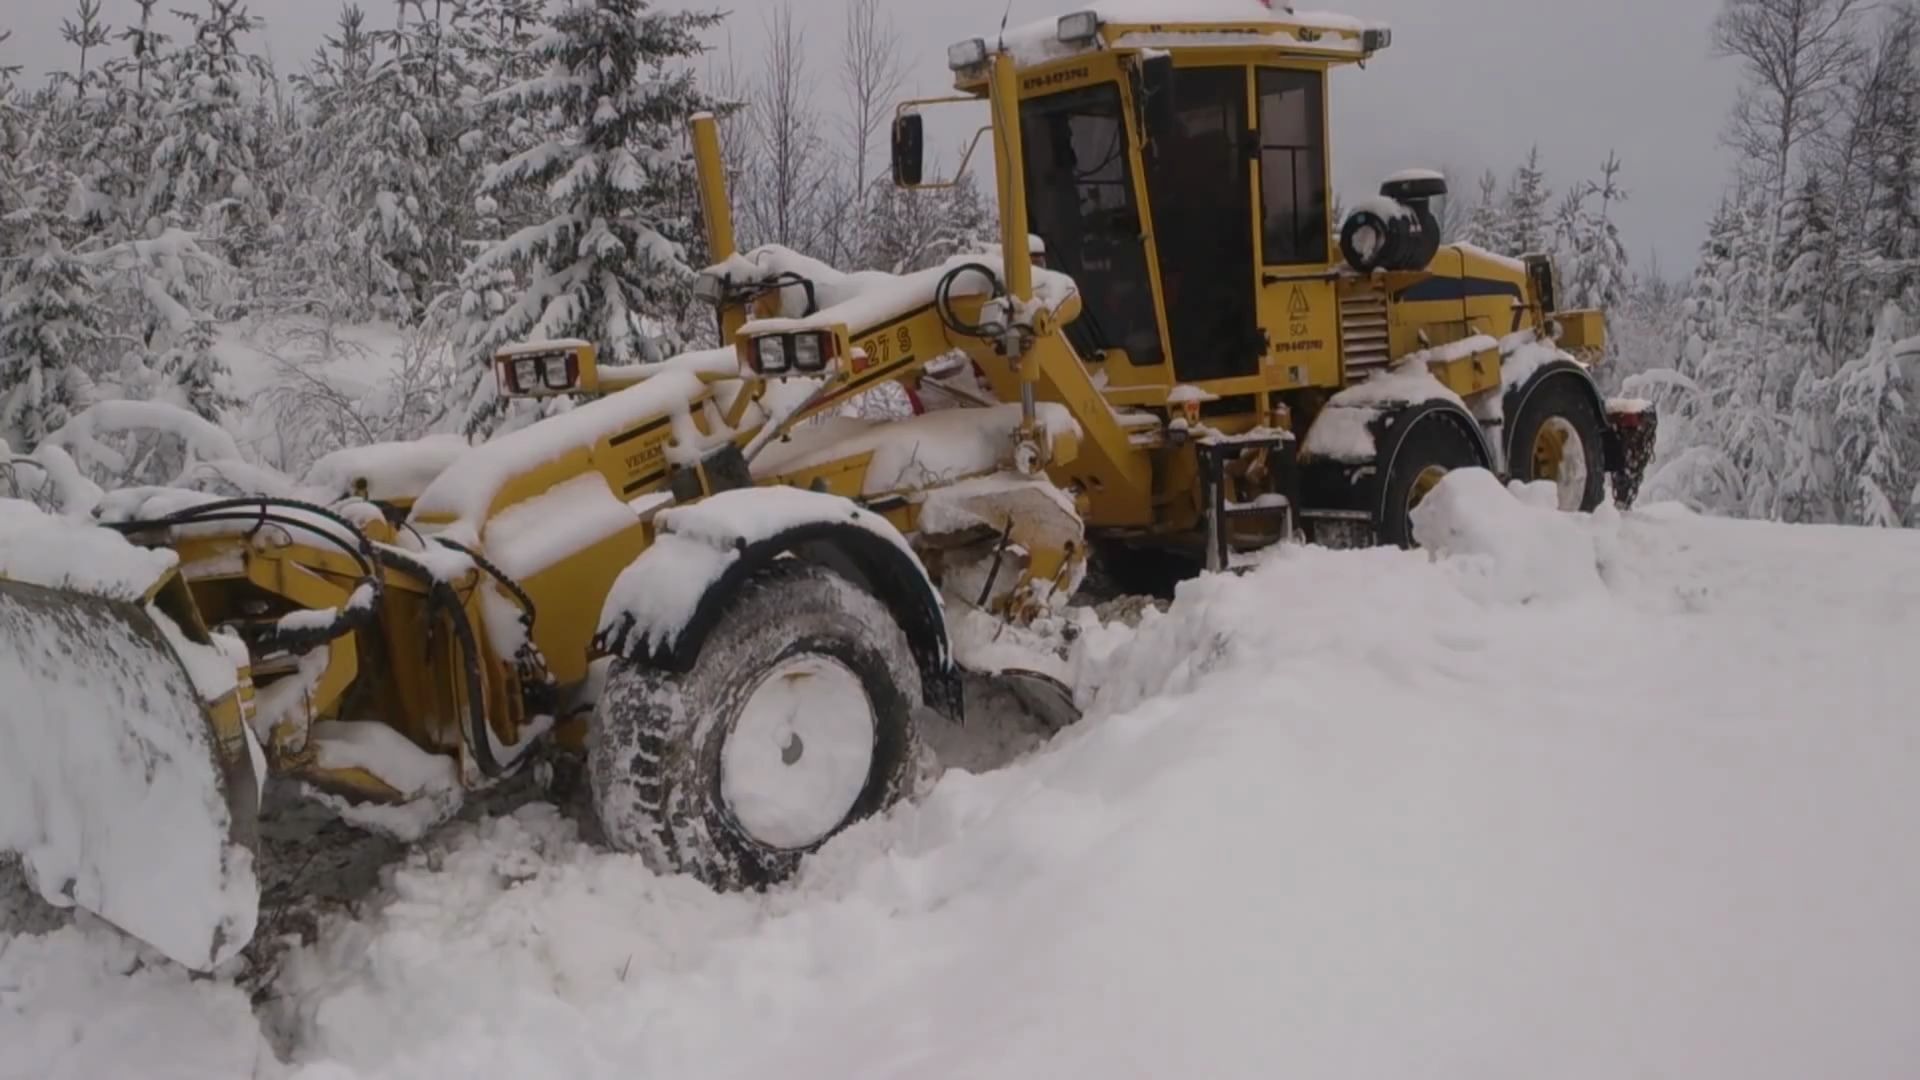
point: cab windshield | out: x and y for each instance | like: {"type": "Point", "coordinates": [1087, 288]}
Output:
{"type": "Point", "coordinates": [1081, 203]}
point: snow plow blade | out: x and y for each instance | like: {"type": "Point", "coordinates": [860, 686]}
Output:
{"type": "Point", "coordinates": [1044, 699]}
{"type": "Point", "coordinates": [128, 781]}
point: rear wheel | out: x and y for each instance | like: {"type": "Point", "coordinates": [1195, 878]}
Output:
{"type": "Point", "coordinates": [1434, 446]}
{"type": "Point", "coordinates": [795, 721]}
{"type": "Point", "coordinates": [1558, 437]}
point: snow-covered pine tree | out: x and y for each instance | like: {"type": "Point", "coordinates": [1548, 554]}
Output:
{"type": "Point", "coordinates": [1709, 301]}
{"type": "Point", "coordinates": [1871, 107]}
{"type": "Point", "coordinates": [87, 161]}
{"type": "Point", "coordinates": [12, 119]}
{"type": "Point", "coordinates": [117, 141]}
{"type": "Point", "coordinates": [203, 171]}
{"type": "Point", "coordinates": [154, 293]}
{"type": "Point", "coordinates": [1876, 420]}
{"type": "Point", "coordinates": [1726, 452]}
{"type": "Point", "coordinates": [1795, 56]}
{"type": "Point", "coordinates": [607, 264]}
{"type": "Point", "coordinates": [88, 33]}
{"type": "Point", "coordinates": [495, 40]}
{"type": "Point", "coordinates": [70, 109]}
{"type": "Point", "coordinates": [341, 65]}
{"type": "Point", "coordinates": [145, 44]}
{"type": "Point", "coordinates": [1893, 167]}
{"type": "Point", "coordinates": [1805, 270]}
{"type": "Point", "coordinates": [148, 136]}
{"type": "Point", "coordinates": [49, 326]}
{"type": "Point", "coordinates": [1795, 368]}
{"type": "Point", "coordinates": [317, 259]}
{"type": "Point", "coordinates": [1597, 269]}
{"type": "Point", "coordinates": [1486, 225]}
{"type": "Point", "coordinates": [1691, 463]}
{"type": "Point", "coordinates": [387, 153]}
{"type": "Point", "coordinates": [1525, 224]}
{"type": "Point", "coordinates": [1569, 230]}
{"type": "Point", "coordinates": [196, 374]}
{"type": "Point", "coordinates": [49, 318]}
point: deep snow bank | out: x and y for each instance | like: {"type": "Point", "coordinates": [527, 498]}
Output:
{"type": "Point", "coordinates": [1641, 808]}
{"type": "Point", "coordinates": [83, 1002]}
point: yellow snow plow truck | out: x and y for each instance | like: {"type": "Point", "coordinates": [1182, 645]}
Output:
{"type": "Point", "coordinates": [740, 595]}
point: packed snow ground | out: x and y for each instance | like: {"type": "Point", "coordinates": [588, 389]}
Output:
{"type": "Point", "coordinates": [1577, 798]}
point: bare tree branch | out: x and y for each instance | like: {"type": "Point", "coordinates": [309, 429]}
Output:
{"type": "Point", "coordinates": [872, 74]}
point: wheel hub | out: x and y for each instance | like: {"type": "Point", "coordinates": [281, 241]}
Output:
{"type": "Point", "coordinates": [1423, 484]}
{"type": "Point", "coordinates": [799, 753]}
{"type": "Point", "coordinates": [1560, 456]}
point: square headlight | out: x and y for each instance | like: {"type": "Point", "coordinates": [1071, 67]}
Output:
{"type": "Point", "coordinates": [709, 287]}
{"type": "Point", "coordinates": [1078, 28]}
{"type": "Point", "coordinates": [526, 374]}
{"type": "Point", "coordinates": [770, 354]}
{"type": "Point", "coordinates": [966, 54]}
{"type": "Point", "coordinates": [557, 371]}
{"type": "Point", "coordinates": [808, 353]}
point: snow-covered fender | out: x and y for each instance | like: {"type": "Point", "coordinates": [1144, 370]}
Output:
{"type": "Point", "coordinates": [1518, 395]}
{"type": "Point", "coordinates": [1353, 484]}
{"type": "Point", "coordinates": [1393, 427]}
{"type": "Point", "coordinates": [664, 605]}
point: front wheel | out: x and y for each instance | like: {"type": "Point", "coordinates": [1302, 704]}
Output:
{"type": "Point", "coordinates": [1434, 446]}
{"type": "Point", "coordinates": [1558, 436]}
{"type": "Point", "coordinates": [795, 721]}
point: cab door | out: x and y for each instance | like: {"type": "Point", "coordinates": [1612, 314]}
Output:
{"type": "Point", "coordinates": [1299, 303]}
{"type": "Point", "coordinates": [1199, 180]}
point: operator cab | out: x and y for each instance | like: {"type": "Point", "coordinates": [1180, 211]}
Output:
{"type": "Point", "coordinates": [1084, 203]}
{"type": "Point", "coordinates": [1179, 173]}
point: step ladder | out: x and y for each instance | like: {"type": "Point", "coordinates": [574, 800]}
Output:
{"type": "Point", "coordinates": [1216, 454]}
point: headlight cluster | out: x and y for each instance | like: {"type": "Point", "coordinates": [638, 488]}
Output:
{"type": "Point", "coordinates": [807, 352]}
{"type": "Point", "coordinates": [1078, 28]}
{"type": "Point", "coordinates": [969, 53]}
{"type": "Point", "coordinates": [540, 373]}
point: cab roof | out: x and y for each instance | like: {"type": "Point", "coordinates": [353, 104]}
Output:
{"type": "Point", "coordinates": [1135, 25]}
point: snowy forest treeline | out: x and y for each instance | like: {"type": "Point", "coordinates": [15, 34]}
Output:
{"type": "Point", "coordinates": [470, 172]}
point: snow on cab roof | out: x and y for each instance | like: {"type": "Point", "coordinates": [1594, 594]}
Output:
{"type": "Point", "coordinates": [1145, 24]}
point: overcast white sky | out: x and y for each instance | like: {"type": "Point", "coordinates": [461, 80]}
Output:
{"type": "Point", "coordinates": [1468, 84]}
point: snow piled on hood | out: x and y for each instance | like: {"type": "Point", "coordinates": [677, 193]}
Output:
{"type": "Point", "coordinates": [397, 470]}
{"type": "Point", "coordinates": [1499, 802]}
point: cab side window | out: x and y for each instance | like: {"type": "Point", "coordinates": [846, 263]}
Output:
{"type": "Point", "coordinates": [1293, 168]}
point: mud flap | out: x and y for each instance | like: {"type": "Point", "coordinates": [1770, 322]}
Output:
{"type": "Point", "coordinates": [123, 791]}
{"type": "Point", "coordinates": [1632, 427]}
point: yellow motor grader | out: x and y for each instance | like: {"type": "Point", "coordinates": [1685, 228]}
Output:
{"type": "Point", "coordinates": [739, 597]}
